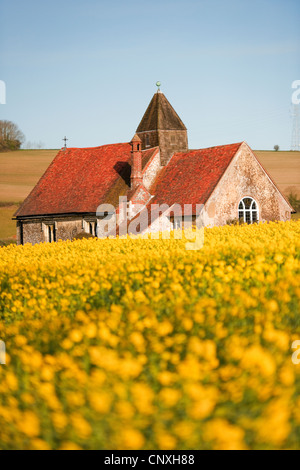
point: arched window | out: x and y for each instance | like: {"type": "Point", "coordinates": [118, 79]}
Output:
{"type": "Point", "coordinates": [248, 211]}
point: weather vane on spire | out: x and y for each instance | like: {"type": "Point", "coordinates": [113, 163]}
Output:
{"type": "Point", "coordinates": [158, 84]}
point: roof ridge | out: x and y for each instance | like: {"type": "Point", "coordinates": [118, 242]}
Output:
{"type": "Point", "coordinates": [91, 148]}
{"type": "Point", "coordinates": [56, 191]}
{"type": "Point", "coordinates": [176, 183]}
{"type": "Point", "coordinates": [209, 148]}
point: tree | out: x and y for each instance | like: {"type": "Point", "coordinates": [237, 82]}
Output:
{"type": "Point", "coordinates": [34, 145]}
{"type": "Point", "coordinates": [11, 137]}
{"type": "Point", "coordinates": [276, 148]}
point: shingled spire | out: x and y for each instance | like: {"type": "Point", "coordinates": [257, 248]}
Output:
{"type": "Point", "coordinates": [161, 126]}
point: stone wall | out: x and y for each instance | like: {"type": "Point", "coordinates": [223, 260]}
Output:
{"type": "Point", "coordinates": [69, 228]}
{"type": "Point", "coordinates": [32, 232]}
{"type": "Point", "coordinates": [160, 224]}
{"type": "Point", "coordinates": [246, 178]}
{"type": "Point", "coordinates": [169, 142]}
{"type": "Point", "coordinates": [35, 230]}
{"type": "Point", "coordinates": [151, 171]}
{"type": "Point", "coordinates": [149, 139]}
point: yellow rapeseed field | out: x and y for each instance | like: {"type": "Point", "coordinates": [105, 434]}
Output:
{"type": "Point", "coordinates": [141, 344]}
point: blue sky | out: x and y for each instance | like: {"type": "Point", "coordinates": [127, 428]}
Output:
{"type": "Point", "coordinates": [87, 69]}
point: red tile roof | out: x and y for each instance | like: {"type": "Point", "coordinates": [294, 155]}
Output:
{"type": "Point", "coordinates": [190, 178]}
{"type": "Point", "coordinates": [79, 179]}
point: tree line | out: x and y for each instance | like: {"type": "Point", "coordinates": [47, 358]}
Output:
{"type": "Point", "coordinates": [11, 137]}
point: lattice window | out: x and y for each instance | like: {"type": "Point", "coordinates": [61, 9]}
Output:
{"type": "Point", "coordinates": [248, 211]}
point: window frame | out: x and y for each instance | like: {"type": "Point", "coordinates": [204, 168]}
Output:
{"type": "Point", "coordinates": [51, 233]}
{"type": "Point", "coordinates": [177, 223]}
{"type": "Point", "coordinates": [248, 211]}
{"type": "Point", "coordinates": [90, 226]}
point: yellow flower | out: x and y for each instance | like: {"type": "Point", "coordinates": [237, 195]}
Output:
{"type": "Point", "coordinates": [166, 378]}
{"type": "Point", "coordinates": [81, 426]}
{"type": "Point", "coordinates": [187, 324]}
{"type": "Point", "coordinates": [202, 409]}
{"type": "Point", "coordinates": [60, 421]}
{"type": "Point", "coordinates": [169, 396]}
{"type": "Point", "coordinates": [256, 357]}
{"type": "Point", "coordinates": [27, 398]}
{"type": "Point", "coordinates": [137, 340]}
{"type": "Point", "coordinates": [166, 441]}
{"type": "Point", "coordinates": [164, 328]}
{"type": "Point", "coordinates": [29, 424]}
{"type": "Point", "coordinates": [139, 343]}
{"type": "Point", "coordinates": [12, 381]}
{"type": "Point", "coordinates": [223, 435]}
{"type": "Point", "coordinates": [91, 330]}
{"type": "Point", "coordinates": [272, 305]}
{"type": "Point", "coordinates": [67, 344]}
{"type": "Point", "coordinates": [287, 376]}
{"type": "Point", "coordinates": [184, 430]}
{"type": "Point", "coordinates": [125, 409]}
{"type": "Point", "coordinates": [273, 427]}
{"type": "Point", "coordinates": [143, 397]}
{"type": "Point", "coordinates": [39, 444]}
{"type": "Point", "coordinates": [76, 336]}
{"type": "Point", "coordinates": [20, 340]}
{"type": "Point", "coordinates": [131, 439]}
{"type": "Point", "coordinates": [47, 373]}
{"type": "Point", "coordinates": [69, 446]}
{"type": "Point", "coordinates": [100, 401]}
{"type": "Point", "coordinates": [75, 399]}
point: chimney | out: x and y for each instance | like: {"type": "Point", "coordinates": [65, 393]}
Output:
{"type": "Point", "coordinates": [136, 162]}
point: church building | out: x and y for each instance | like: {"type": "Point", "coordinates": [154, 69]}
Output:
{"type": "Point", "coordinates": [155, 169]}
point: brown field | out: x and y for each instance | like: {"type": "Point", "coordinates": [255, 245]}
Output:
{"type": "Point", "coordinates": [7, 225]}
{"type": "Point", "coordinates": [21, 170]}
{"type": "Point", "coordinates": [284, 169]}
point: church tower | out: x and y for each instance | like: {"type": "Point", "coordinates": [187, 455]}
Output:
{"type": "Point", "coordinates": [162, 127]}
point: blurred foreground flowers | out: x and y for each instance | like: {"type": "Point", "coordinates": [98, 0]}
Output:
{"type": "Point", "coordinates": [140, 344]}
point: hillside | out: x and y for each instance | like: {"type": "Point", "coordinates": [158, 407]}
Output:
{"type": "Point", "coordinates": [20, 171]}
{"type": "Point", "coordinates": [284, 168]}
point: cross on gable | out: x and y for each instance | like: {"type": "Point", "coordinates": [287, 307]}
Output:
{"type": "Point", "coordinates": [65, 140]}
